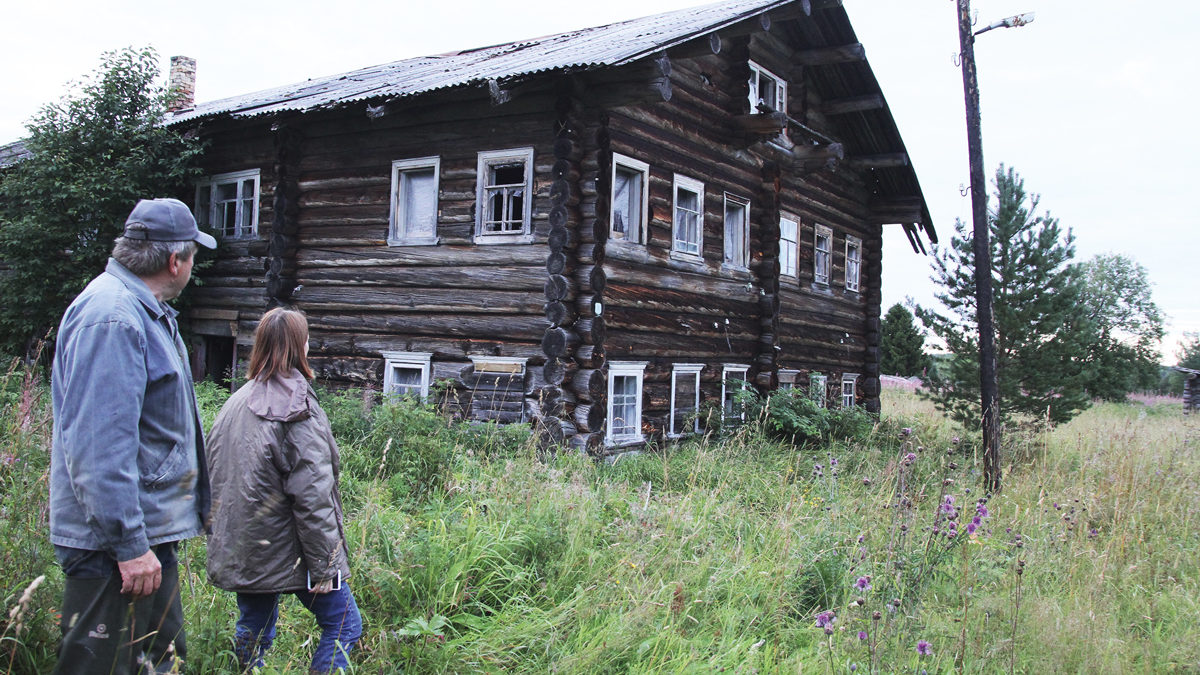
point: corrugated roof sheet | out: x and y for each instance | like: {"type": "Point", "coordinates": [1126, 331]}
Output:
{"type": "Point", "coordinates": [610, 45]}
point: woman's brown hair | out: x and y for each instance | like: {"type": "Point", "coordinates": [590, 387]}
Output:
{"type": "Point", "coordinates": [279, 345]}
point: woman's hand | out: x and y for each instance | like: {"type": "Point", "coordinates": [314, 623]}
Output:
{"type": "Point", "coordinates": [322, 588]}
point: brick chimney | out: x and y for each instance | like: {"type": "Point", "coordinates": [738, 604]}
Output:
{"type": "Point", "coordinates": [182, 84]}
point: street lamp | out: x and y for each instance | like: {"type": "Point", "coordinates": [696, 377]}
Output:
{"type": "Point", "coordinates": [985, 317]}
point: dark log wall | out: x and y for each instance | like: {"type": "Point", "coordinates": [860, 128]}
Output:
{"type": "Point", "coordinates": [571, 302]}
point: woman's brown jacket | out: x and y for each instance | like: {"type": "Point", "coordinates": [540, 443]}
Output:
{"type": "Point", "coordinates": [276, 514]}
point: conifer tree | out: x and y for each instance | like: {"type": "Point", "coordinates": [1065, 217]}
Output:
{"type": "Point", "coordinates": [1042, 330]}
{"type": "Point", "coordinates": [93, 154]}
{"type": "Point", "coordinates": [901, 344]}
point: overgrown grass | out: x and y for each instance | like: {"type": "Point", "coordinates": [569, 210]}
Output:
{"type": "Point", "coordinates": [473, 553]}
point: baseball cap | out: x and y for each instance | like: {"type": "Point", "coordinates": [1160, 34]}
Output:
{"type": "Point", "coordinates": [166, 220]}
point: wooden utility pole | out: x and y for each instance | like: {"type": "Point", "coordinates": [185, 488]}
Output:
{"type": "Point", "coordinates": [988, 390]}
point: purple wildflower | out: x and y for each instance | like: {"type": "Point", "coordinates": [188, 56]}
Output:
{"type": "Point", "coordinates": [923, 648]}
{"type": "Point", "coordinates": [833, 461]}
{"type": "Point", "coordinates": [971, 527]}
{"type": "Point", "coordinates": [853, 667]}
{"type": "Point", "coordinates": [982, 511]}
{"type": "Point", "coordinates": [906, 431]}
{"type": "Point", "coordinates": [826, 619]}
{"type": "Point", "coordinates": [862, 635]}
{"type": "Point", "coordinates": [863, 583]}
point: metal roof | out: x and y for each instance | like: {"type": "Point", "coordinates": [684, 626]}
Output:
{"type": "Point", "coordinates": [611, 45]}
{"type": "Point", "coordinates": [12, 153]}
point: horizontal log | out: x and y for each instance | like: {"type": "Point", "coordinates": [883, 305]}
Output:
{"type": "Point", "coordinates": [559, 314]}
{"type": "Point", "coordinates": [556, 371]}
{"type": "Point", "coordinates": [559, 342]}
{"type": "Point", "coordinates": [760, 124]}
{"type": "Point", "coordinates": [463, 276]}
{"type": "Point", "coordinates": [558, 288]}
{"type": "Point", "coordinates": [882, 161]}
{"type": "Point", "coordinates": [588, 444]}
{"type": "Point", "coordinates": [592, 330]}
{"type": "Point", "coordinates": [590, 417]}
{"type": "Point", "coordinates": [826, 56]}
{"type": "Point", "coordinates": [853, 104]}
{"type": "Point", "coordinates": [590, 356]}
{"type": "Point", "coordinates": [457, 256]}
{"type": "Point", "coordinates": [408, 301]}
{"type": "Point", "coordinates": [502, 327]}
{"type": "Point", "coordinates": [590, 384]}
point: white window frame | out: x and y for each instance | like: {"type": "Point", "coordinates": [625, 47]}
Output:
{"type": "Point", "coordinates": [822, 253]}
{"type": "Point", "coordinates": [789, 249]}
{"type": "Point", "coordinates": [413, 360]}
{"type": "Point", "coordinates": [849, 384]}
{"type": "Point", "coordinates": [818, 388]}
{"type": "Point", "coordinates": [757, 73]}
{"type": "Point", "coordinates": [853, 263]}
{"type": "Point", "coordinates": [641, 223]}
{"type": "Point", "coordinates": [486, 160]}
{"type": "Point", "coordinates": [635, 369]}
{"type": "Point", "coordinates": [726, 393]}
{"type": "Point", "coordinates": [697, 187]}
{"type": "Point", "coordinates": [691, 370]}
{"type": "Point", "coordinates": [787, 379]}
{"type": "Point", "coordinates": [210, 186]}
{"type": "Point", "coordinates": [498, 365]}
{"type": "Point", "coordinates": [397, 217]}
{"type": "Point", "coordinates": [737, 259]}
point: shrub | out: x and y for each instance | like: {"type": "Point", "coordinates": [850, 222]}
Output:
{"type": "Point", "coordinates": [792, 415]}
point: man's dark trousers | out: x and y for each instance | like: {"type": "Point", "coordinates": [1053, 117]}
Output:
{"type": "Point", "coordinates": [106, 632]}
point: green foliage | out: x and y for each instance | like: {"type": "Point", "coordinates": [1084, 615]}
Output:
{"type": "Point", "coordinates": [793, 415]}
{"type": "Point", "coordinates": [1043, 332]}
{"type": "Point", "coordinates": [93, 155]}
{"type": "Point", "coordinates": [901, 344]}
{"type": "Point", "coordinates": [1188, 356]}
{"type": "Point", "coordinates": [1123, 353]}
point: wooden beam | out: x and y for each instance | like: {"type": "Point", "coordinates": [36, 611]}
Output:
{"type": "Point", "coordinates": [885, 161]}
{"type": "Point", "coordinates": [761, 124]}
{"type": "Point", "coordinates": [827, 56]}
{"type": "Point", "coordinates": [845, 106]}
{"type": "Point", "coordinates": [808, 158]}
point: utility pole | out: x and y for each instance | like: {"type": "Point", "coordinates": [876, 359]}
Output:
{"type": "Point", "coordinates": [985, 317]}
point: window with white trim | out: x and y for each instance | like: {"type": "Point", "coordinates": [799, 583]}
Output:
{"type": "Point", "coordinates": [737, 231]}
{"type": "Point", "coordinates": [504, 192]}
{"type": "Point", "coordinates": [414, 212]}
{"type": "Point", "coordinates": [853, 262]}
{"type": "Point", "coordinates": [227, 203]}
{"type": "Point", "coordinates": [822, 254]}
{"type": "Point", "coordinates": [766, 89]}
{"type": "Point", "coordinates": [685, 398]}
{"type": "Point", "coordinates": [787, 379]}
{"type": "Point", "coordinates": [817, 384]}
{"type": "Point", "coordinates": [406, 374]}
{"type": "Point", "coordinates": [733, 380]}
{"type": "Point", "coordinates": [789, 247]}
{"type": "Point", "coordinates": [688, 239]}
{"type": "Point", "coordinates": [849, 381]}
{"type": "Point", "coordinates": [625, 402]}
{"type": "Point", "coordinates": [630, 199]}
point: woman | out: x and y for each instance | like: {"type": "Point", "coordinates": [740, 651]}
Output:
{"type": "Point", "coordinates": [277, 514]}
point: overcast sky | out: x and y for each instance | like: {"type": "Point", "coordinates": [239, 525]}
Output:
{"type": "Point", "coordinates": [1093, 103]}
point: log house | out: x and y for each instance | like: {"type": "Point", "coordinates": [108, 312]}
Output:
{"type": "Point", "coordinates": [602, 233]}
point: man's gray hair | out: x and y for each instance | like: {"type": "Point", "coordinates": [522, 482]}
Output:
{"type": "Point", "coordinates": [146, 258]}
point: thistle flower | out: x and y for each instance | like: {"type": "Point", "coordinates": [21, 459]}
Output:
{"type": "Point", "coordinates": [863, 583]}
{"type": "Point", "coordinates": [826, 619]}
{"type": "Point", "coordinates": [862, 635]}
{"type": "Point", "coordinates": [923, 648]}
{"type": "Point", "coordinates": [905, 432]}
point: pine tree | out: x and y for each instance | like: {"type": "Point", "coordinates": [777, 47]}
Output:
{"type": "Point", "coordinates": [901, 344]}
{"type": "Point", "coordinates": [92, 156]}
{"type": "Point", "coordinates": [1042, 330]}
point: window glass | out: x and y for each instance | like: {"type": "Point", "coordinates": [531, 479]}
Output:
{"type": "Point", "coordinates": [685, 399]}
{"type": "Point", "coordinates": [822, 253]}
{"type": "Point", "coordinates": [419, 188]}
{"type": "Point", "coordinates": [624, 405]}
{"type": "Point", "coordinates": [737, 225]}
{"type": "Point", "coordinates": [788, 247]}
{"type": "Point", "coordinates": [627, 206]}
{"type": "Point", "coordinates": [688, 216]}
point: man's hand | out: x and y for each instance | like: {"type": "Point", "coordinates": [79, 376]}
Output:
{"type": "Point", "coordinates": [141, 576]}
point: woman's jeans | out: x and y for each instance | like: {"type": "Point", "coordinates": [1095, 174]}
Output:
{"type": "Point", "coordinates": [336, 613]}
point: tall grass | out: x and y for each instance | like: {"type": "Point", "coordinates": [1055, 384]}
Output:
{"type": "Point", "coordinates": [473, 553]}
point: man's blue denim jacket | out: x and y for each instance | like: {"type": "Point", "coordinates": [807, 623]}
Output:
{"type": "Point", "coordinates": [127, 466]}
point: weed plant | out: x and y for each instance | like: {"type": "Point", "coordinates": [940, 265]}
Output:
{"type": "Point", "coordinates": [473, 552]}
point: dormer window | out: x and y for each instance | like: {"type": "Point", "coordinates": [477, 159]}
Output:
{"type": "Point", "coordinates": [766, 89]}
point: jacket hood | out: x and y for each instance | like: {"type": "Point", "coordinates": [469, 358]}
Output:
{"type": "Point", "coordinates": [283, 398]}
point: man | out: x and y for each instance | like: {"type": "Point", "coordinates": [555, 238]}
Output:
{"type": "Point", "coordinates": [127, 478]}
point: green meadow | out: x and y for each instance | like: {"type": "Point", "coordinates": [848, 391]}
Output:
{"type": "Point", "coordinates": [740, 552]}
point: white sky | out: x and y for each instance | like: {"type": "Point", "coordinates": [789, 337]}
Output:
{"type": "Point", "coordinates": [1092, 103]}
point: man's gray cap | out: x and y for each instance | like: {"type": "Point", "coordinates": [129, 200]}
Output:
{"type": "Point", "coordinates": [166, 220]}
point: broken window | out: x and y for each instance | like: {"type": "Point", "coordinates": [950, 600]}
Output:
{"type": "Point", "coordinates": [853, 262]}
{"type": "Point", "coordinates": [227, 204]}
{"type": "Point", "coordinates": [414, 201]}
{"type": "Point", "coordinates": [766, 90]}
{"type": "Point", "coordinates": [685, 399]}
{"type": "Point", "coordinates": [689, 217]}
{"type": "Point", "coordinates": [787, 379]}
{"type": "Point", "coordinates": [406, 374]}
{"type": "Point", "coordinates": [505, 186]}
{"type": "Point", "coordinates": [816, 388]}
{"type": "Point", "coordinates": [737, 231]}
{"type": "Point", "coordinates": [630, 198]}
{"type": "Point", "coordinates": [849, 380]}
{"type": "Point", "coordinates": [733, 380]}
{"type": "Point", "coordinates": [822, 254]}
